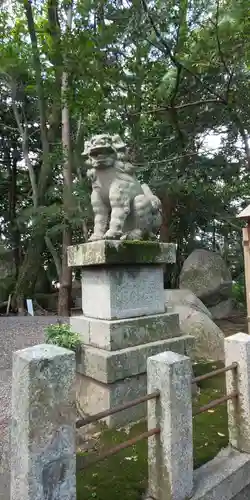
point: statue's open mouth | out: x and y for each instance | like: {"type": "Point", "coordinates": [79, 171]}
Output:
{"type": "Point", "coordinates": [101, 152]}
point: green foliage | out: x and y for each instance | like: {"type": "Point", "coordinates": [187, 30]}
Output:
{"type": "Point", "coordinates": [61, 335]}
{"type": "Point", "coordinates": [123, 79]}
{"type": "Point", "coordinates": [239, 293]}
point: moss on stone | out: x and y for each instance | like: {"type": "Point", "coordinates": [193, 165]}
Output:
{"type": "Point", "coordinates": [135, 251]}
{"type": "Point", "coordinates": [124, 476]}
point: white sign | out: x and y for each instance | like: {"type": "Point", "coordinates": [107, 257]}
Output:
{"type": "Point", "coordinates": [29, 304]}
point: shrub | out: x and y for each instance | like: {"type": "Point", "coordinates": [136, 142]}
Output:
{"type": "Point", "coordinates": [61, 335]}
{"type": "Point", "coordinates": [239, 293]}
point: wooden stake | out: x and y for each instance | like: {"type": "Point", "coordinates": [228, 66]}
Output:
{"type": "Point", "coordinates": [246, 247]}
{"type": "Point", "coordinates": [8, 305]}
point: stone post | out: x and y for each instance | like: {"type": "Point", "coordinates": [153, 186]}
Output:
{"type": "Point", "coordinates": [170, 453]}
{"type": "Point", "coordinates": [43, 424]}
{"type": "Point", "coordinates": [237, 349]}
{"type": "Point", "coordinates": [245, 215]}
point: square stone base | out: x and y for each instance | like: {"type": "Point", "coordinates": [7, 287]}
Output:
{"type": "Point", "coordinates": [115, 292]}
{"type": "Point", "coordinates": [113, 335]}
{"type": "Point", "coordinates": [94, 397]}
{"type": "Point", "coordinates": [106, 379]}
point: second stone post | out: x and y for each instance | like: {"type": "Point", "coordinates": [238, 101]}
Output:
{"type": "Point", "coordinates": [170, 453]}
{"type": "Point", "coordinates": [237, 350]}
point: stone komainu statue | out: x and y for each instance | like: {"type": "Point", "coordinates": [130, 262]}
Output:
{"type": "Point", "coordinates": [123, 208]}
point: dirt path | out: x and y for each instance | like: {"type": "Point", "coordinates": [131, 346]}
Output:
{"type": "Point", "coordinates": [236, 324]}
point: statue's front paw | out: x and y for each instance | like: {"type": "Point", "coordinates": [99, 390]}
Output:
{"type": "Point", "coordinates": [96, 237]}
{"type": "Point", "coordinates": [112, 235]}
{"type": "Point", "coordinates": [135, 235]}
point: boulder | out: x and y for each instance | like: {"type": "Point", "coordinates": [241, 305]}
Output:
{"type": "Point", "coordinates": [174, 298]}
{"type": "Point", "coordinates": [222, 310]}
{"type": "Point", "coordinates": [195, 319]}
{"type": "Point", "coordinates": [209, 339]}
{"type": "Point", "coordinates": [205, 273]}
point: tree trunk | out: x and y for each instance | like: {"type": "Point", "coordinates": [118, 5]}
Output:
{"type": "Point", "coordinates": [29, 271]}
{"type": "Point", "coordinates": [167, 208]}
{"type": "Point", "coordinates": [64, 299]}
{"type": "Point", "coordinates": [12, 195]}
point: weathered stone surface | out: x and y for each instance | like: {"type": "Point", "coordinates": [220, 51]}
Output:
{"type": "Point", "coordinates": [207, 276]}
{"type": "Point", "coordinates": [170, 453]}
{"type": "Point", "coordinates": [110, 366]}
{"type": "Point", "coordinates": [183, 297]}
{"type": "Point", "coordinates": [118, 334]}
{"type": "Point", "coordinates": [222, 310]}
{"type": "Point", "coordinates": [76, 293]}
{"type": "Point", "coordinates": [226, 477]}
{"type": "Point", "coordinates": [107, 252]}
{"type": "Point", "coordinates": [94, 397]}
{"type": "Point", "coordinates": [43, 424]}
{"type": "Point", "coordinates": [209, 339]}
{"type": "Point", "coordinates": [122, 292]}
{"type": "Point", "coordinates": [237, 349]}
{"type": "Point", "coordinates": [243, 494]}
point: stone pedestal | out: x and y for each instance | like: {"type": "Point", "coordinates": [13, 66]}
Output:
{"type": "Point", "coordinates": [124, 322]}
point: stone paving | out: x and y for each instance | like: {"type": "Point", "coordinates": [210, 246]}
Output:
{"type": "Point", "coordinates": [15, 333]}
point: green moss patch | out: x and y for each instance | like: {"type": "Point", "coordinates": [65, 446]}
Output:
{"type": "Point", "coordinates": [134, 251]}
{"type": "Point", "coordinates": [124, 476]}
{"type": "Point", "coordinates": [210, 429]}
{"type": "Point", "coordinates": [210, 432]}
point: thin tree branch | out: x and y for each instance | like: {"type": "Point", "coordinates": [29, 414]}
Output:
{"type": "Point", "coordinates": [198, 103]}
{"type": "Point", "coordinates": [79, 129]}
{"type": "Point", "coordinates": [43, 178]}
{"type": "Point", "coordinates": [225, 219]}
{"type": "Point", "coordinates": [244, 135]}
{"type": "Point", "coordinates": [54, 254]}
{"type": "Point", "coordinates": [177, 84]}
{"type": "Point", "coordinates": [220, 51]}
{"type": "Point", "coordinates": [180, 106]}
{"type": "Point", "coordinates": [23, 130]}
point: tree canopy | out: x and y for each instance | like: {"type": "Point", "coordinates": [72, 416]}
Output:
{"type": "Point", "coordinates": [170, 77]}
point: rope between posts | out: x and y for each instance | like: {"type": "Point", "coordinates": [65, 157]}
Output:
{"type": "Point", "coordinates": [106, 413]}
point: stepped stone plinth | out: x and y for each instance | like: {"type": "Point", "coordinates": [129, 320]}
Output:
{"type": "Point", "coordinates": [124, 321]}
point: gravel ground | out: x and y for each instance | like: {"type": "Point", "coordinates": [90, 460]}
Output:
{"type": "Point", "coordinates": [15, 333]}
